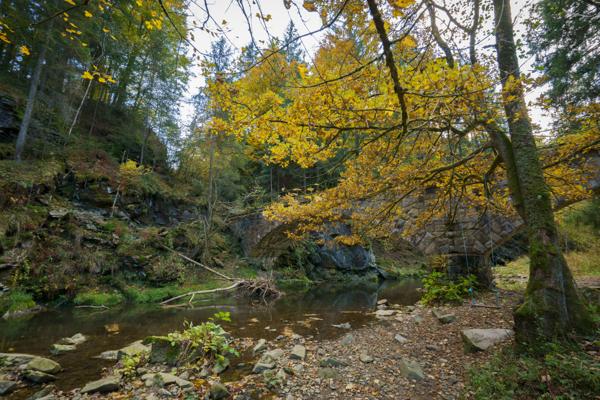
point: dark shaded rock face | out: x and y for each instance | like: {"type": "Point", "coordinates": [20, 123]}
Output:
{"type": "Point", "coordinates": [333, 255]}
{"type": "Point", "coordinates": [268, 240]}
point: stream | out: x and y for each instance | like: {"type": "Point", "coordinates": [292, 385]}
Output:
{"type": "Point", "coordinates": [308, 313]}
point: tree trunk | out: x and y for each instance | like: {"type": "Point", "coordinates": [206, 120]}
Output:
{"type": "Point", "coordinates": [552, 307]}
{"type": "Point", "coordinates": [33, 87]}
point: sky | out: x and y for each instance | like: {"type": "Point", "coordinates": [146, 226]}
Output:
{"type": "Point", "coordinates": [236, 30]}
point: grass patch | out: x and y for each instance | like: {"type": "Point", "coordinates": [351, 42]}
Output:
{"type": "Point", "coordinates": [16, 300]}
{"type": "Point", "coordinates": [98, 298]}
{"type": "Point", "coordinates": [562, 373]}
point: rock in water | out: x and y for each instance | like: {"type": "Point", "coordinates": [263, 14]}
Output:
{"type": "Point", "coordinates": [74, 340]}
{"type": "Point", "coordinates": [261, 346]}
{"type": "Point", "coordinates": [38, 377]}
{"type": "Point", "coordinates": [62, 348]}
{"type": "Point", "coordinates": [7, 386]}
{"type": "Point", "coordinates": [483, 339]}
{"type": "Point", "coordinates": [298, 352]}
{"type": "Point", "coordinates": [43, 365]}
{"type": "Point", "coordinates": [218, 391]}
{"type": "Point", "coordinates": [411, 369]}
{"type": "Point", "coordinates": [104, 385]}
{"type": "Point", "coordinates": [345, 325]}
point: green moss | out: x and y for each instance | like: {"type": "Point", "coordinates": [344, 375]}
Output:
{"type": "Point", "coordinates": [16, 301]}
{"type": "Point", "coordinates": [98, 298]}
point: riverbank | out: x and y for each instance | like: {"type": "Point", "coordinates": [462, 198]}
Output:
{"type": "Point", "coordinates": [405, 352]}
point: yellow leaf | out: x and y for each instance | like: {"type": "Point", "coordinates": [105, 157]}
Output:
{"type": "Point", "coordinates": [24, 50]}
{"type": "Point", "coordinates": [101, 79]}
{"type": "Point", "coordinates": [71, 2]}
{"type": "Point", "coordinates": [401, 3]}
{"type": "Point", "coordinates": [309, 6]}
{"type": "Point", "coordinates": [87, 75]}
{"type": "Point", "coordinates": [105, 30]}
{"type": "Point", "coordinates": [87, 14]}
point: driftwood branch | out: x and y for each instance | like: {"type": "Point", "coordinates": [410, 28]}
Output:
{"type": "Point", "coordinates": [195, 292]}
{"type": "Point", "coordinates": [199, 264]}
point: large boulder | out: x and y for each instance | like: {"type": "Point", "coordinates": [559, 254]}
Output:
{"type": "Point", "coordinates": [43, 365]}
{"type": "Point", "coordinates": [483, 339]}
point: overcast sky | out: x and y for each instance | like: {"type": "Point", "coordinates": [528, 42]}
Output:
{"type": "Point", "coordinates": [236, 31]}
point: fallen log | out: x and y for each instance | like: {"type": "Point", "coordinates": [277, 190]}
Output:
{"type": "Point", "coordinates": [256, 288]}
{"type": "Point", "coordinates": [195, 292]}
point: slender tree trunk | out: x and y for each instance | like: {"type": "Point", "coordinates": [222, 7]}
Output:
{"type": "Point", "coordinates": [87, 90]}
{"type": "Point", "coordinates": [33, 87]}
{"type": "Point", "coordinates": [552, 307]}
{"type": "Point", "coordinates": [148, 129]}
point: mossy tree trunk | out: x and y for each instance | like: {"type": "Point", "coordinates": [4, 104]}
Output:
{"type": "Point", "coordinates": [552, 307]}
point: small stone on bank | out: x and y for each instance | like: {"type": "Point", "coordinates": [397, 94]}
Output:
{"type": "Point", "coordinates": [298, 352]}
{"type": "Point", "coordinates": [261, 346]}
{"type": "Point", "coordinates": [400, 339]}
{"type": "Point", "coordinates": [365, 358]}
{"type": "Point", "coordinates": [104, 385]}
{"type": "Point", "coordinates": [7, 386]}
{"type": "Point", "coordinates": [218, 391]}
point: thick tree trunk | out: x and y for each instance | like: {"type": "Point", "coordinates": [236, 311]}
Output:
{"type": "Point", "coordinates": [33, 87]}
{"type": "Point", "coordinates": [552, 307]}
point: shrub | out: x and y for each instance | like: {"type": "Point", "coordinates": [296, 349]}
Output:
{"type": "Point", "coordinates": [439, 288]}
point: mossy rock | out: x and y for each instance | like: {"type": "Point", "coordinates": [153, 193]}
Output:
{"type": "Point", "coordinates": [163, 350]}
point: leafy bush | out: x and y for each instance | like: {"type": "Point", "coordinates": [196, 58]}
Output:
{"type": "Point", "coordinates": [129, 365]}
{"type": "Point", "coordinates": [208, 340]}
{"type": "Point", "coordinates": [562, 373]}
{"type": "Point", "coordinates": [439, 288]}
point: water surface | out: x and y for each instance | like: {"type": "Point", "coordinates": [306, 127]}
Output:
{"type": "Point", "coordinates": [310, 313]}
